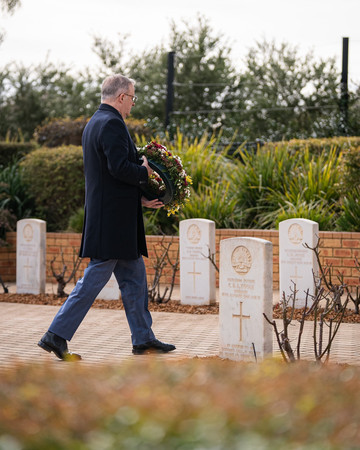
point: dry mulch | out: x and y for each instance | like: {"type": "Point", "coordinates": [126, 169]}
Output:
{"type": "Point", "coordinates": [172, 306]}
{"type": "Point", "coordinates": [52, 299]}
{"type": "Point", "coordinates": [349, 317]}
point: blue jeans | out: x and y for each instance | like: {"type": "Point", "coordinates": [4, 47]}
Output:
{"type": "Point", "coordinates": [131, 277]}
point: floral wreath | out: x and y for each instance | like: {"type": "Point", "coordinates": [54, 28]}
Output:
{"type": "Point", "coordinates": [181, 182]}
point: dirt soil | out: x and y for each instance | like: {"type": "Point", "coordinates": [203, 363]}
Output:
{"type": "Point", "coordinates": [171, 306]}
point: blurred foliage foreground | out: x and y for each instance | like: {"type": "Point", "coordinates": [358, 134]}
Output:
{"type": "Point", "coordinates": [188, 404]}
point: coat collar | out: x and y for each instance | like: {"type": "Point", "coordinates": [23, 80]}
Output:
{"type": "Point", "coordinates": [106, 107]}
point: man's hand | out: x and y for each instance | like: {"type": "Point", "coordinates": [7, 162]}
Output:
{"type": "Point", "coordinates": [155, 204]}
{"type": "Point", "coordinates": [146, 164]}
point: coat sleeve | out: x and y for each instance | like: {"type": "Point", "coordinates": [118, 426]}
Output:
{"type": "Point", "coordinates": [114, 140]}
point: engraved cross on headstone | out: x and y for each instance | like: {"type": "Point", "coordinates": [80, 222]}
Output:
{"type": "Point", "coordinates": [194, 274]}
{"type": "Point", "coordinates": [27, 266]}
{"type": "Point", "coordinates": [295, 277]}
{"type": "Point", "coordinates": [241, 317]}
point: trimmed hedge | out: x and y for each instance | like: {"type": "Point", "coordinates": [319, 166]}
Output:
{"type": "Point", "coordinates": [317, 146]}
{"type": "Point", "coordinates": [56, 181]}
{"type": "Point", "coordinates": [352, 167]}
{"type": "Point", "coordinates": [63, 131]}
{"type": "Point", "coordinates": [13, 151]}
{"type": "Point", "coordinates": [66, 131]}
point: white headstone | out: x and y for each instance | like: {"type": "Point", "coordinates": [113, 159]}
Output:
{"type": "Point", "coordinates": [297, 263]}
{"type": "Point", "coordinates": [197, 273]}
{"type": "Point", "coordinates": [110, 291]}
{"type": "Point", "coordinates": [30, 256]}
{"type": "Point", "coordinates": [245, 295]}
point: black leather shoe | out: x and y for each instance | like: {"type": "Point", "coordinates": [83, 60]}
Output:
{"type": "Point", "coordinates": [152, 346]}
{"type": "Point", "coordinates": [53, 343]}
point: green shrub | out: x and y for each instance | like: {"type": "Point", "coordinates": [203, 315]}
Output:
{"type": "Point", "coordinates": [215, 203]}
{"type": "Point", "coordinates": [319, 175]}
{"type": "Point", "coordinates": [56, 181]}
{"type": "Point", "coordinates": [251, 189]}
{"type": "Point", "coordinates": [7, 223]}
{"type": "Point", "coordinates": [66, 131]}
{"type": "Point", "coordinates": [349, 219]}
{"type": "Point", "coordinates": [154, 404]}
{"type": "Point", "coordinates": [317, 210]}
{"type": "Point", "coordinates": [14, 192]}
{"type": "Point", "coordinates": [299, 178]}
{"type": "Point", "coordinates": [76, 221]}
{"type": "Point", "coordinates": [351, 168]}
{"type": "Point", "coordinates": [13, 151]}
{"type": "Point", "coordinates": [258, 177]}
{"type": "Point", "coordinates": [60, 131]}
{"type": "Point", "coordinates": [201, 159]}
{"type": "Point", "coordinates": [273, 184]}
{"type": "Point", "coordinates": [139, 127]}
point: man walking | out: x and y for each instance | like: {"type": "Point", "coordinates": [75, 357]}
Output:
{"type": "Point", "coordinates": [113, 234]}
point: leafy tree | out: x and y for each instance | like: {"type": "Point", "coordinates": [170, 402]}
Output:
{"type": "Point", "coordinates": [29, 95]}
{"type": "Point", "coordinates": [279, 95]}
{"type": "Point", "coordinates": [203, 73]}
{"type": "Point", "coordinates": [354, 112]}
{"type": "Point", "coordinates": [21, 103]}
{"type": "Point", "coordinates": [148, 69]}
{"type": "Point", "coordinates": [286, 95]}
{"type": "Point", "coordinates": [8, 6]}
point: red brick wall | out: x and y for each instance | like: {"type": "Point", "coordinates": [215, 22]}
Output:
{"type": "Point", "coordinates": [8, 258]}
{"type": "Point", "coordinates": [338, 249]}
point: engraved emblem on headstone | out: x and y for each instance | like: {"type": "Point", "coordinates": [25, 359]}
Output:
{"type": "Point", "coordinates": [295, 233]}
{"type": "Point", "coordinates": [28, 232]}
{"type": "Point", "coordinates": [241, 260]}
{"type": "Point", "coordinates": [194, 234]}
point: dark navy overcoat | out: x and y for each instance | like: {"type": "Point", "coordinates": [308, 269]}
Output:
{"type": "Point", "coordinates": [113, 222]}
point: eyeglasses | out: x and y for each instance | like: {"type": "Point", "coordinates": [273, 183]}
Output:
{"type": "Point", "coordinates": [133, 97]}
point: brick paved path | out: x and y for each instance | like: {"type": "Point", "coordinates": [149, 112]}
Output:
{"type": "Point", "coordinates": [104, 336]}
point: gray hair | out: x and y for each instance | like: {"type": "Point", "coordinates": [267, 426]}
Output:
{"type": "Point", "coordinates": [115, 85]}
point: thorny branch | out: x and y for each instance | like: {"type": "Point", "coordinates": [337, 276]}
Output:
{"type": "Point", "coordinates": [355, 298]}
{"type": "Point", "coordinates": [211, 257]}
{"type": "Point", "coordinates": [60, 277]}
{"type": "Point", "coordinates": [326, 307]}
{"type": "Point", "coordinates": [161, 261]}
